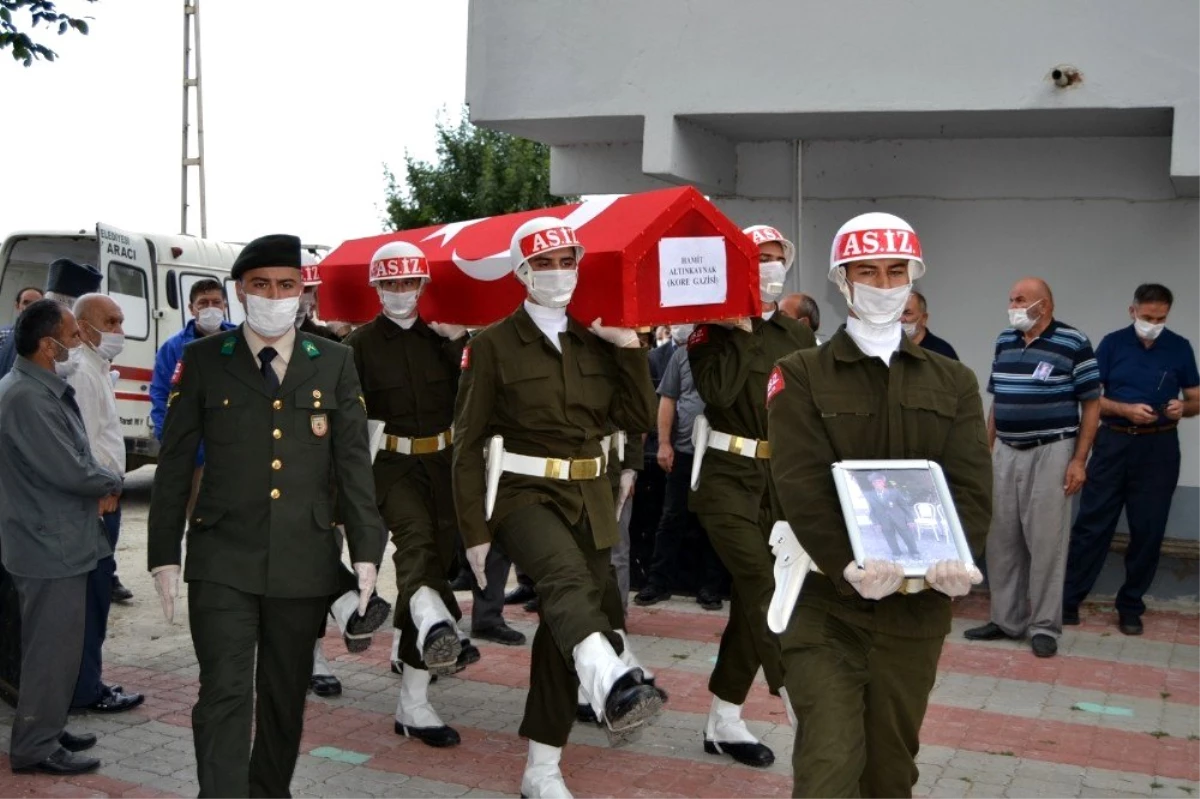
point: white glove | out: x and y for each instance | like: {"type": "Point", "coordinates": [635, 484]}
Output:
{"type": "Point", "coordinates": [628, 478]}
{"type": "Point", "coordinates": [617, 336]}
{"type": "Point", "coordinates": [953, 577]}
{"type": "Point", "coordinates": [166, 583]}
{"type": "Point", "coordinates": [741, 323]}
{"type": "Point", "coordinates": [477, 560]}
{"type": "Point", "coordinates": [876, 579]}
{"type": "Point", "coordinates": [446, 330]}
{"type": "Point", "coordinates": [367, 575]}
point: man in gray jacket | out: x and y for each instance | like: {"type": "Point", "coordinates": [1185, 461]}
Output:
{"type": "Point", "coordinates": [50, 533]}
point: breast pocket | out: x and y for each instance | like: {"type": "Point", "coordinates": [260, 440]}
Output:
{"type": "Point", "coordinates": [225, 417]}
{"type": "Point", "coordinates": [597, 378]}
{"type": "Point", "coordinates": [314, 409]}
{"type": "Point", "coordinates": [851, 421]}
{"type": "Point", "coordinates": [928, 417]}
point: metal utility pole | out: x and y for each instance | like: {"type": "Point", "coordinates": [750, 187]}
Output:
{"type": "Point", "coordinates": [191, 80]}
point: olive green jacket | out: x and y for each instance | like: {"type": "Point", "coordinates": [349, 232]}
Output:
{"type": "Point", "coordinates": [545, 404]}
{"type": "Point", "coordinates": [730, 369]}
{"type": "Point", "coordinates": [263, 521]}
{"type": "Point", "coordinates": [836, 403]}
{"type": "Point", "coordinates": [410, 381]}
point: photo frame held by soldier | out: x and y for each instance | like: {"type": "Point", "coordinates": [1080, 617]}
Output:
{"type": "Point", "coordinates": [902, 511]}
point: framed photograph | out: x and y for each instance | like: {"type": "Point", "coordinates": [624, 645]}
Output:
{"type": "Point", "coordinates": [900, 510]}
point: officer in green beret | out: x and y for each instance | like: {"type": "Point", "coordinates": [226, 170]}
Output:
{"type": "Point", "coordinates": [283, 423]}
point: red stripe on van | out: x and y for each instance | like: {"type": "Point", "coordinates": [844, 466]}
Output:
{"type": "Point", "coordinates": [134, 373]}
{"type": "Point", "coordinates": [124, 395]}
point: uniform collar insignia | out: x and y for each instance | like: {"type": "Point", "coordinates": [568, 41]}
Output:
{"type": "Point", "coordinates": [310, 349]}
{"type": "Point", "coordinates": [228, 345]}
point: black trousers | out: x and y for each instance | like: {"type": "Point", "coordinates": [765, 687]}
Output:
{"type": "Point", "coordinates": [678, 525]}
{"type": "Point", "coordinates": [229, 629]}
{"type": "Point", "coordinates": [1136, 474]}
{"type": "Point", "coordinates": [89, 687]}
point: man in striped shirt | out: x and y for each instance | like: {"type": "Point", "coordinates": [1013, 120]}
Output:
{"type": "Point", "coordinates": [1046, 389]}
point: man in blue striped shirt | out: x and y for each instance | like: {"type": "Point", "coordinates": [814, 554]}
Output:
{"type": "Point", "coordinates": [1046, 406]}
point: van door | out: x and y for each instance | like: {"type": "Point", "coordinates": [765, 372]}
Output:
{"type": "Point", "coordinates": [126, 264]}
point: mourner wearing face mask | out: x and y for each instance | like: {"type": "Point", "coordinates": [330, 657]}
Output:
{"type": "Point", "coordinates": [861, 658]}
{"type": "Point", "coordinates": [735, 500]}
{"type": "Point", "coordinates": [539, 392]}
{"type": "Point", "coordinates": [915, 322]}
{"type": "Point", "coordinates": [206, 304]}
{"type": "Point", "coordinates": [409, 369]}
{"type": "Point", "coordinates": [1144, 370]}
{"type": "Point", "coordinates": [66, 281]}
{"type": "Point", "coordinates": [100, 320]}
{"type": "Point", "coordinates": [46, 463]}
{"type": "Point", "coordinates": [283, 423]}
{"type": "Point", "coordinates": [1046, 406]}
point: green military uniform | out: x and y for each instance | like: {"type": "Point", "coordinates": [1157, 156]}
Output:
{"type": "Point", "coordinates": [736, 502]}
{"type": "Point", "coordinates": [859, 672]}
{"type": "Point", "coordinates": [613, 602]}
{"type": "Point", "coordinates": [410, 381]}
{"type": "Point", "coordinates": [556, 405]}
{"type": "Point", "coordinates": [263, 554]}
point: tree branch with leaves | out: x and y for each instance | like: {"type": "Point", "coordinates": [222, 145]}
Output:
{"type": "Point", "coordinates": [478, 173]}
{"type": "Point", "coordinates": [22, 45]}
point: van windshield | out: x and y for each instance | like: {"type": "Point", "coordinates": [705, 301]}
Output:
{"type": "Point", "coordinates": [27, 261]}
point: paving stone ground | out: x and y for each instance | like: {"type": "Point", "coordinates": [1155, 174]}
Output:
{"type": "Point", "coordinates": [1110, 716]}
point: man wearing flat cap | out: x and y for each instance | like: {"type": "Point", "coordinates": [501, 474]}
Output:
{"type": "Point", "coordinates": [283, 423]}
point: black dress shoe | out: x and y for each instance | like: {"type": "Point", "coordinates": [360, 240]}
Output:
{"type": "Point", "coordinates": [708, 600]}
{"type": "Point", "coordinates": [115, 701]}
{"type": "Point", "coordinates": [585, 714]}
{"type": "Point", "coordinates": [630, 702]}
{"type": "Point", "coordinates": [1044, 646]}
{"type": "Point", "coordinates": [462, 581]}
{"type": "Point", "coordinates": [61, 762]}
{"type": "Point", "coordinates": [119, 592]}
{"type": "Point", "coordinates": [519, 595]}
{"type": "Point", "coordinates": [442, 648]}
{"type": "Point", "coordinates": [432, 736]}
{"type": "Point", "coordinates": [468, 655]}
{"type": "Point", "coordinates": [987, 632]}
{"type": "Point", "coordinates": [533, 606]}
{"type": "Point", "coordinates": [1130, 625]}
{"type": "Point", "coordinates": [325, 685]}
{"type": "Point", "coordinates": [360, 626]}
{"type": "Point", "coordinates": [748, 754]}
{"type": "Point", "coordinates": [650, 595]}
{"type": "Point", "coordinates": [76, 743]}
{"type": "Point", "coordinates": [1070, 616]}
{"type": "Point", "coordinates": [501, 634]}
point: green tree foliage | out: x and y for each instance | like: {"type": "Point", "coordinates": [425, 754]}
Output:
{"type": "Point", "coordinates": [479, 172]}
{"type": "Point", "coordinates": [23, 47]}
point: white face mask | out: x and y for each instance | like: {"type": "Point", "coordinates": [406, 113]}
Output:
{"type": "Point", "coordinates": [770, 280]}
{"type": "Point", "coordinates": [1148, 330]}
{"type": "Point", "coordinates": [209, 319]}
{"type": "Point", "coordinates": [680, 333]}
{"type": "Point", "coordinates": [910, 329]}
{"type": "Point", "coordinates": [70, 360]}
{"type": "Point", "coordinates": [111, 344]}
{"type": "Point", "coordinates": [271, 318]}
{"type": "Point", "coordinates": [879, 307]}
{"type": "Point", "coordinates": [399, 304]}
{"type": "Point", "coordinates": [1020, 318]}
{"type": "Point", "coordinates": [552, 287]}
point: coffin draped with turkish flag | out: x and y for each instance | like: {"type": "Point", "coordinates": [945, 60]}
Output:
{"type": "Point", "coordinates": [658, 257]}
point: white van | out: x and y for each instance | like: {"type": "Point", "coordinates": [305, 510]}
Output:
{"type": "Point", "coordinates": [150, 276]}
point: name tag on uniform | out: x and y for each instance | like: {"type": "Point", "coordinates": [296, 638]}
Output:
{"type": "Point", "coordinates": [1042, 372]}
{"type": "Point", "coordinates": [320, 424]}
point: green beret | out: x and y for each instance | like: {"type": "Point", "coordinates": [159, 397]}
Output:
{"type": "Point", "coordinates": [277, 249]}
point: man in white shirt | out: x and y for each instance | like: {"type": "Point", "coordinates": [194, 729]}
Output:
{"type": "Point", "coordinates": [88, 371]}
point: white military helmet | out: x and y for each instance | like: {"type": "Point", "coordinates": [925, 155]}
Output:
{"type": "Point", "coordinates": [761, 234]}
{"type": "Point", "coordinates": [310, 272]}
{"type": "Point", "coordinates": [875, 235]}
{"type": "Point", "coordinates": [539, 235]}
{"type": "Point", "coordinates": [398, 260]}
